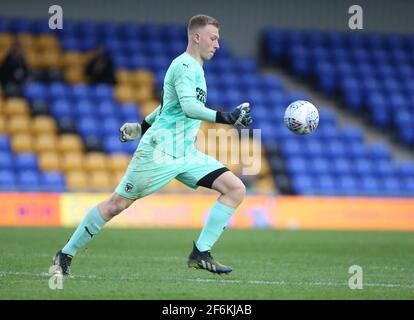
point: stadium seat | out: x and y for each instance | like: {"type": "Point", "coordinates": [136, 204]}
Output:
{"type": "Point", "coordinates": [7, 180]}
{"type": "Point", "coordinates": [22, 142]}
{"type": "Point", "coordinates": [6, 160]}
{"type": "Point", "coordinates": [53, 181]}
{"type": "Point", "coordinates": [77, 180]}
{"type": "Point", "coordinates": [118, 162]}
{"type": "Point", "coordinates": [72, 161]}
{"type": "Point", "coordinates": [26, 161]}
{"type": "Point", "coordinates": [43, 124]}
{"type": "Point", "coordinates": [45, 142]}
{"type": "Point", "coordinates": [16, 106]}
{"type": "Point", "coordinates": [100, 180]}
{"type": "Point", "coordinates": [49, 161]}
{"type": "Point", "coordinates": [70, 142]}
{"type": "Point", "coordinates": [5, 145]}
{"type": "Point", "coordinates": [18, 124]}
{"type": "Point", "coordinates": [95, 161]}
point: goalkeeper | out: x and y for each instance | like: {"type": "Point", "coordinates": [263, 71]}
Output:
{"type": "Point", "coordinates": [162, 157]}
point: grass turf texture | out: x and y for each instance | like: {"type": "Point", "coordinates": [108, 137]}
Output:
{"type": "Point", "coordinates": [151, 264]}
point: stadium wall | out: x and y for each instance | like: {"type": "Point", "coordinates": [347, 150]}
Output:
{"type": "Point", "coordinates": [241, 20]}
{"type": "Point", "coordinates": [170, 211]}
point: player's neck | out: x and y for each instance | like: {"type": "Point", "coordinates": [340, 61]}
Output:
{"type": "Point", "coordinates": [193, 53]}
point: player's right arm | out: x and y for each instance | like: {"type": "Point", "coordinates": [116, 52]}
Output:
{"type": "Point", "coordinates": [131, 131]}
{"type": "Point", "coordinates": [185, 84]}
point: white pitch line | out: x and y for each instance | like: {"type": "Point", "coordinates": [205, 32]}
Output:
{"type": "Point", "coordinates": [288, 283]}
{"type": "Point", "coordinates": [229, 281]}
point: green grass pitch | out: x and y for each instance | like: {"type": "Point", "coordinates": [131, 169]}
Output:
{"type": "Point", "coordinates": [268, 264]}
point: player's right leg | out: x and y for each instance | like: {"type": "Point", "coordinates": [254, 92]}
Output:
{"type": "Point", "coordinates": [143, 176]}
{"type": "Point", "coordinates": [91, 224]}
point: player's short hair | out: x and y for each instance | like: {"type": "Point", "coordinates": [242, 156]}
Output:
{"type": "Point", "coordinates": [201, 20]}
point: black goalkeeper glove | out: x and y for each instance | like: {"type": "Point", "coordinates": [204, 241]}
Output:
{"type": "Point", "coordinates": [239, 117]}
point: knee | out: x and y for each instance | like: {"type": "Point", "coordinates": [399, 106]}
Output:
{"type": "Point", "coordinates": [112, 207]}
{"type": "Point", "coordinates": [238, 192]}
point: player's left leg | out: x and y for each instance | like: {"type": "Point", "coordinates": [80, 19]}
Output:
{"type": "Point", "coordinates": [212, 174]}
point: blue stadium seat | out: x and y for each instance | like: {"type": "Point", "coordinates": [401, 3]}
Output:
{"type": "Point", "coordinates": [20, 25]}
{"type": "Point", "coordinates": [111, 125]}
{"type": "Point", "coordinates": [107, 108]}
{"type": "Point", "coordinates": [379, 151]}
{"type": "Point", "coordinates": [26, 161]}
{"type": "Point", "coordinates": [112, 144]}
{"type": "Point", "coordinates": [391, 186]}
{"type": "Point", "coordinates": [297, 165]}
{"type": "Point", "coordinates": [341, 166]}
{"type": "Point", "coordinates": [62, 108]}
{"type": "Point", "coordinates": [88, 126]}
{"type": "Point", "coordinates": [41, 26]}
{"type": "Point", "coordinates": [5, 145]}
{"type": "Point", "coordinates": [362, 167]}
{"type": "Point", "coordinates": [80, 91]}
{"type": "Point", "coordinates": [84, 107]}
{"type": "Point", "coordinates": [347, 185]}
{"type": "Point", "coordinates": [405, 169]}
{"type": "Point", "coordinates": [352, 133]}
{"type": "Point", "coordinates": [369, 185]}
{"type": "Point", "coordinates": [35, 91]}
{"type": "Point", "coordinates": [7, 180]}
{"type": "Point", "coordinates": [303, 184]}
{"type": "Point", "coordinates": [28, 180]}
{"type": "Point", "coordinates": [6, 160]}
{"type": "Point", "coordinates": [53, 181]}
{"type": "Point", "coordinates": [58, 90]}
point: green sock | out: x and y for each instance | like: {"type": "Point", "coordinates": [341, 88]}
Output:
{"type": "Point", "coordinates": [219, 215]}
{"type": "Point", "coordinates": [91, 224]}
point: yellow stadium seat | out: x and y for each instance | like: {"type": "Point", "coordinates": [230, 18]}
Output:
{"type": "Point", "coordinates": [142, 78]}
{"type": "Point", "coordinates": [265, 184]}
{"type": "Point", "coordinates": [70, 142]}
{"type": "Point", "coordinates": [16, 106]}
{"type": "Point", "coordinates": [47, 42]}
{"type": "Point", "coordinates": [124, 93]}
{"type": "Point", "coordinates": [77, 180]}
{"type": "Point", "coordinates": [75, 74]}
{"type": "Point", "coordinates": [45, 142]}
{"type": "Point", "coordinates": [50, 59]}
{"type": "Point", "coordinates": [73, 58]}
{"type": "Point", "coordinates": [50, 161]}
{"type": "Point", "coordinates": [18, 124]}
{"type": "Point", "coordinates": [43, 124]}
{"type": "Point", "coordinates": [100, 180]}
{"type": "Point", "coordinates": [72, 161]}
{"type": "Point", "coordinates": [118, 162]}
{"type": "Point", "coordinates": [6, 40]}
{"type": "Point", "coordinates": [149, 106]}
{"type": "Point", "coordinates": [96, 161]}
{"type": "Point", "coordinates": [22, 142]}
{"type": "Point", "coordinates": [2, 124]}
{"type": "Point", "coordinates": [34, 59]}
{"type": "Point", "coordinates": [26, 40]}
{"type": "Point", "coordinates": [142, 94]}
{"type": "Point", "coordinates": [123, 76]}
{"type": "Point", "coordinates": [116, 177]}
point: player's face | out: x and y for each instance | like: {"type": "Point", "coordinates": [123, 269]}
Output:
{"type": "Point", "coordinates": [209, 41]}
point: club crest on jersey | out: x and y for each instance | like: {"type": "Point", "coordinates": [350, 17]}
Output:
{"type": "Point", "coordinates": [128, 187]}
{"type": "Point", "coordinates": [201, 95]}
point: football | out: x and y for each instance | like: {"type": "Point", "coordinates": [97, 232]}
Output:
{"type": "Point", "coordinates": [301, 117]}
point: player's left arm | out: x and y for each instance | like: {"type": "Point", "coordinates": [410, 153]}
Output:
{"type": "Point", "coordinates": [185, 85]}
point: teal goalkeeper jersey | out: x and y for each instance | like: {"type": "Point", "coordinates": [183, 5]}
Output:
{"type": "Point", "coordinates": [173, 131]}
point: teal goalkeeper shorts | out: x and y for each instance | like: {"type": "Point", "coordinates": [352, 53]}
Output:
{"type": "Point", "coordinates": [150, 170]}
